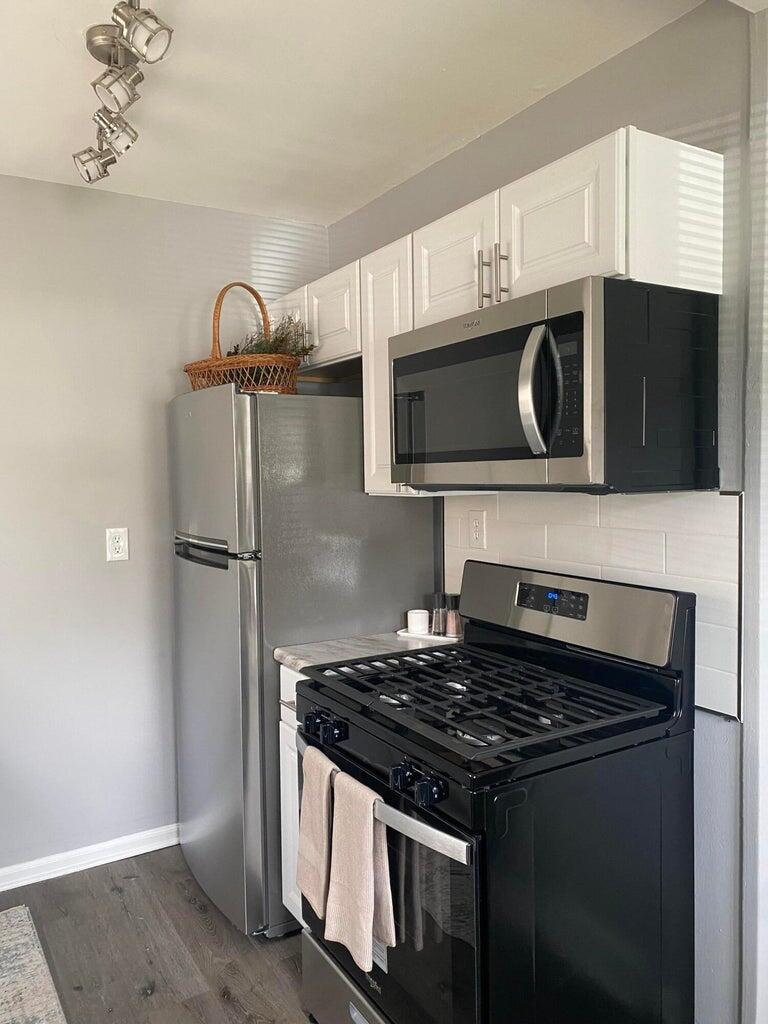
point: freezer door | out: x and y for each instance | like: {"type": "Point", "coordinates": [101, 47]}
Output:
{"type": "Point", "coordinates": [217, 693]}
{"type": "Point", "coordinates": [212, 469]}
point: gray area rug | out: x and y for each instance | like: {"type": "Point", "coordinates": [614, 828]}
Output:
{"type": "Point", "coordinates": [27, 992]}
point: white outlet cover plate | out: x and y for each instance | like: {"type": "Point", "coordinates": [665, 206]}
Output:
{"type": "Point", "coordinates": [477, 537]}
{"type": "Point", "coordinates": [117, 544]}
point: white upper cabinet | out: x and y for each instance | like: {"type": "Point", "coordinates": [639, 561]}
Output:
{"type": "Point", "coordinates": [293, 304]}
{"type": "Point", "coordinates": [334, 315]}
{"type": "Point", "coordinates": [566, 220]}
{"type": "Point", "coordinates": [631, 204]}
{"type": "Point", "coordinates": [446, 279]}
{"type": "Point", "coordinates": [675, 213]}
{"type": "Point", "coordinates": [386, 303]}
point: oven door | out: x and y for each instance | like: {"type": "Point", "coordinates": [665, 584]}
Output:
{"type": "Point", "coordinates": [432, 974]}
{"type": "Point", "coordinates": [471, 399]}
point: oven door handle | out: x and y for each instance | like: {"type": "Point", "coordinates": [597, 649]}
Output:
{"type": "Point", "coordinates": [425, 835]}
{"type": "Point", "coordinates": [525, 396]}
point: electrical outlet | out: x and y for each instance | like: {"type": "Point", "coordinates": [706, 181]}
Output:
{"type": "Point", "coordinates": [117, 544]}
{"type": "Point", "coordinates": [477, 529]}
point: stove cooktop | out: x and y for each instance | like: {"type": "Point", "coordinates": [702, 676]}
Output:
{"type": "Point", "coordinates": [485, 707]}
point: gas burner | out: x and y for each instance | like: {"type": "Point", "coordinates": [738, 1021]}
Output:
{"type": "Point", "coordinates": [397, 699]}
{"type": "Point", "coordinates": [465, 737]}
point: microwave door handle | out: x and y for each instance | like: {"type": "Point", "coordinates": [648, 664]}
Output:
{"type": "Point", "coordinates": [525, 397]}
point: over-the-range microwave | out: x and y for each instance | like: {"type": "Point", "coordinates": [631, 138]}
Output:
{"type": "Point", "coordinates": [599, 385]}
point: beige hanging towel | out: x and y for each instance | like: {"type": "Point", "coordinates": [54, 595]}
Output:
{"type": "Point", "coordinates": [315, 829]}
{"type": "Point", "coordinates": [359, 896]}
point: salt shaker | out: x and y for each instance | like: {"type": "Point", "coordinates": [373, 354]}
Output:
{"type": "Point", "coordinates": [453, 626]}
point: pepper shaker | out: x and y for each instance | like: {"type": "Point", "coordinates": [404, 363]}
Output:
{"type": "Point", "coordinates": [453, 627]}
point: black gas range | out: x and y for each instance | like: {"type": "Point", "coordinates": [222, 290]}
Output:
{"type": "Point", "coordinates": [536, 782]}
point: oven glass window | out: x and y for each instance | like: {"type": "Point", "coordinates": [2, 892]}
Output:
{"type": "Point", "coordinates": [433, 968]}
{"type": "Point", "coordinates": [458, 403]}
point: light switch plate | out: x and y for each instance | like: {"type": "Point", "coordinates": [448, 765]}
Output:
{"type": "Point", "coordinates": [117, 544]}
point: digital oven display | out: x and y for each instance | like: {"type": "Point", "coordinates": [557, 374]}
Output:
{"type": "Point", "coordinates": [571, 604]}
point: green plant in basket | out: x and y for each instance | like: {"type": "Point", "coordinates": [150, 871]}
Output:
{"type": "Point", "coordinates": [289, 337]}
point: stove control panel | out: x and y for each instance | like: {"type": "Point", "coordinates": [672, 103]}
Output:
{"type": "Point", "coordinates": [570, 604]}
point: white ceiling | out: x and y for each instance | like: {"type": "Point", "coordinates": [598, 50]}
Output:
{"type": "Point", "coordinates": [299, 108]}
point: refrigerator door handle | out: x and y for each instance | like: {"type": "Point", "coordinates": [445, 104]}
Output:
{"type": "Point", "coordinates": [209, 543]}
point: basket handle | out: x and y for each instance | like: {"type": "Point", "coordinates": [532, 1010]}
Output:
{"type": "Point", "coordinates": [216, 346]}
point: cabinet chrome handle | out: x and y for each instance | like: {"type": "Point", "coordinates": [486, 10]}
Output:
{"type": "Point", "coordinates": [498, 256]}
{"type": "Point", "coordinates": [525, 397]}
{"type": "Point", "coordinates": [481, 292]}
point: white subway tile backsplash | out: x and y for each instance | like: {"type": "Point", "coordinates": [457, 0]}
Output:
{"type": "Point", "coordinates": [517, 541]}
{"type": "Point", "coordinates": [707, 557]}
{"type": "Point", "coordinates": [545, 507]}
{"type": "Point", "coordinates": [456, 532]}
{"type": "Point", "coordinates": [629, 549]}
{"type": "Point", "coordinates": [716, 646]}
{"type": "Point", "coordinates": [717, 691]}
{"type": "Point", "coordinates": [700, 512]}
{"type": "Point", "coordinates": [460, 504]}
{"type": "Point", "coordinates": [716, 602]}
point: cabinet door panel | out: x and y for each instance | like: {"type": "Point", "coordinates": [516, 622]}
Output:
{"type": "Point", "coordinates": [334, 315]}
{"type": "Point", "coordinates": [386, 302]}
{"type": "Point", "coordinates": [445, 261]}
{"type": "Point", "coordinates": [566, 220]}
{"type": "Point", "coordinates": [289, 817]}
{"type": "Point", "coordinates": [293, 304]}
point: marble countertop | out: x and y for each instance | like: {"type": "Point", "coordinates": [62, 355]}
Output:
{"type": "Point", "coordinates": [322, 651]}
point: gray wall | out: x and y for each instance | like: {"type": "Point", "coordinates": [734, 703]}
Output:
{"type": "Point", "coordinates": [104, 297]}
{"type": "Point", "coordinates": [688, 81]}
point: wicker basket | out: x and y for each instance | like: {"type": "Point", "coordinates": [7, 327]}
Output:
{"type": "Point", "coordinates": [250, 373]}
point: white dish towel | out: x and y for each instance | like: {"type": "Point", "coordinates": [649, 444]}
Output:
{"type": "Point", "coordinates": [359, 905]}
{"type": "Point", "coordinates": [315, 829]}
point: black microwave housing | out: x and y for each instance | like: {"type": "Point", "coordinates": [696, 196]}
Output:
{"type": "Point", "coordinates": [664, 436]}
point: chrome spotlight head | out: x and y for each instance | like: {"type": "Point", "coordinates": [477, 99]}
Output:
{"type": "Point", "coordinates": [143, 32]}
{"type": "Point", "coordinates": [93, 164]}
{"type": "Point", "coordinates": [115, 130]}
{"type": "Point", "coordinates": [116, 88]}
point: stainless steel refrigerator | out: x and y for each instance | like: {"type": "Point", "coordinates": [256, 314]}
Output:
{"type": "Point", "coordinates": [275, 543]}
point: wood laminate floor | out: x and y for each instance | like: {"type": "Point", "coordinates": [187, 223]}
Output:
{"type": "Point", "coordinates": [137, 942]}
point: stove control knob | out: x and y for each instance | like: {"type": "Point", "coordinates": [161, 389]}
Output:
{"type": "Point", "coordinates": [333, 732]}
{"type": "Point", "coordinates": [429, 791]}
{"type": "Point", "coordinates": [401, 777]}
{"type": "Point", "coordinates": [312, 722]}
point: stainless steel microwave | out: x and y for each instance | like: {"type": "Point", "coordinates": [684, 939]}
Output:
{"type": "Point", "coordinates": [600, 384]}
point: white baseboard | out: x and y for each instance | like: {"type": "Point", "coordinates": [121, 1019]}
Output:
{"type": "Point", "coordinates": [88, 857]}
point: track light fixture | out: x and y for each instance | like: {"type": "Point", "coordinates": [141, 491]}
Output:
{"type": "Point", "coordinates": [136, 35]}
{"type": "Point", "coordinates": [116, 87]}
{"type": "Point", "coordinates": [143, 32]}
{"type": "Point", "coordinates": [115, 130]}
{"type": "Point", "coordinates": [93, 164]}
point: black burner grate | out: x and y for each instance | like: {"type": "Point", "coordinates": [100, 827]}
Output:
{"type": "Point", "coordinates": [480, 704]}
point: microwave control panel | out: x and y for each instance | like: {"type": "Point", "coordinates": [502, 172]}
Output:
{"type": "Point", "coordinates": [571, 604]}
{"type": "Point", "coordinates": [569, 335]}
